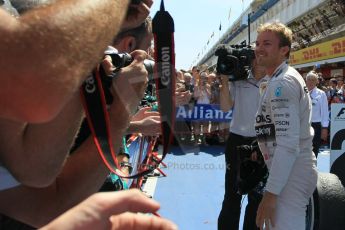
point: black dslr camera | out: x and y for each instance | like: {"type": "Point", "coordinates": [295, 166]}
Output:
{"type": "Point", "coordinates": [235, 61]}
{"type": "Point", "coordinates": [136, 2]}
{"type": "Point", "coordinates": [121, 60]}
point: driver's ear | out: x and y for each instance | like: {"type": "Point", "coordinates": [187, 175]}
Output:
{"type": "Point", "coordinates": [285, 50]}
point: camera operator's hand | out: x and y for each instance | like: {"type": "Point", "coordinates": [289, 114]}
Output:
{"type": "Point", "coordinates": [226, 102]}
{"type": "Point", "coordinates": [112, 210]}
{"type": "Point", "coordinates": [224, 79]}
{"type": "Point", "coordinates": [136, 14]}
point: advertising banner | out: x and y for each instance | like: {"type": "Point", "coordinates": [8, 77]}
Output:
{"type": "Point", "coordinates": [337, 134]}
{"type": "Point", "coordinates": [324, 51]}
{"type": "Point", "coordinates": [202, 112]}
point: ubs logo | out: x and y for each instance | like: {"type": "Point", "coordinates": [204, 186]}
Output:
{"type": "Point", "coordinates": [262, 118]}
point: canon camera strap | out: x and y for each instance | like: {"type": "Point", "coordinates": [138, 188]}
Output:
{"type": "Point", "coordinates": [93, 93]}
{"type": "Point", "coordinates": [95, 96]}
{"type": "Point", "coordinates": [163, 30]}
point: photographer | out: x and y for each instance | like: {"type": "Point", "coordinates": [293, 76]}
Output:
{"type": "Point", "coordinates": [77, 176]}
{"type": "Point", "coordinates": [202, 95]}
{"type": "Point", "coordinates": [183, 95]}
{"type": "Point", "coordinates": [37, 206]}
{"type": "Point", "coordinates": [243, 97]}
{"type": "Point", "coordinates": [38, 42]}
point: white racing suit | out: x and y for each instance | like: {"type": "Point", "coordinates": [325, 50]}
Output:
{"type": "Point", "coordinates": [285, 139]}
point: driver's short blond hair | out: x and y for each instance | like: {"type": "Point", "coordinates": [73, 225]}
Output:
{"type": "Point", "coordinates": [283, 32]}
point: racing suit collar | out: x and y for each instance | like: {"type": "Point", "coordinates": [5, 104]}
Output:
{"type": "Point", "coordinates": [279, 69]}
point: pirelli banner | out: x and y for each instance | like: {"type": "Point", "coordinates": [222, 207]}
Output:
{"type": "Point", "coordinates": [327, 50]}
{"type": "Point", "coordinates": [202, 112]}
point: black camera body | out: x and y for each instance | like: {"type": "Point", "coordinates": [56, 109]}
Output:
{"type": "Point", "coordinates": [252, 174]}
{"type": "Point", "coordinates": [136, 2]}
{"type": "Point", "coordinates": [121, 60]}
{"type": "Point", "coordinates": [235, 61]}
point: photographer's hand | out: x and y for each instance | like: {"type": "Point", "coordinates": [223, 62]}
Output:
{"type": "Point", "coordinates": [146, 122]}
{"type": "Point", "coordinates": [108, 65]}
{"type": "Point", "coordinates": [112, 210]}
{"type": "Point", "coordinates": [130, 84]}
{"type": "Point", "coordinates": [136, 14]}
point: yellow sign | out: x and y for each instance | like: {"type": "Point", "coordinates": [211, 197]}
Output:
{"type": "Point", "coordinates": [319, 52]}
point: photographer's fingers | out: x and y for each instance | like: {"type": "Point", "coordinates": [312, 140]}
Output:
{"type": "Point", "coordinates": [113, 203]}
{"type": "Point", "coordinates": [108, 65]}
{"type": "Point", "coordinates": [138, 59]}
{"type": "Point", "coordinates": [130, 221]}
{"type": "Point", "coordinates": [142, 112]}
{"type": "Point", "coordinates": [143, 7]}
{"type": "Point", "coordinates": [136, 14]}
{"type": "Point", "coordinates": [95, 212]}
{"type": "Point", "coordinates": [139, 55]}
{"type": "Point", "coordinates": [131, 82]}
{"type": "Point", "coordinates": [147, 112]}
{"type": "Point", "coordinates": [149, 3]}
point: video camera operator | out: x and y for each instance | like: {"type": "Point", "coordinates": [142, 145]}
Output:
{"type": "Point", "coordinates": [243, 97]}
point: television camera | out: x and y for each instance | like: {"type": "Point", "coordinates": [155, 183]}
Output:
{"type": "Point", "coordinates": [234, 61]}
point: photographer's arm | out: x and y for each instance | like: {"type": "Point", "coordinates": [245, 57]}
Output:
{"type": "Point", "coordinates": [35, 153]}
{"type": "Point", "coordinates": [226, 102]}
{"type": "Point", "coordinates": [82, 175]}
{"type": "Point", "coordinates": [49, 51]}
{"type": "Point", "coordinates": [84, 171]}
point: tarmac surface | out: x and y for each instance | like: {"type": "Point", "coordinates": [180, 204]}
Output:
{"type": "Point", "coordinates": [192, 193]}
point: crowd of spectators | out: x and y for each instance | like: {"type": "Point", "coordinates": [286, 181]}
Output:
{"type": "Point", "coordinates": [333, 87]}
{"type": "Point", "coordinates": [200, 86]}
{"type": "Point", "coordinates": [334, 90]}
